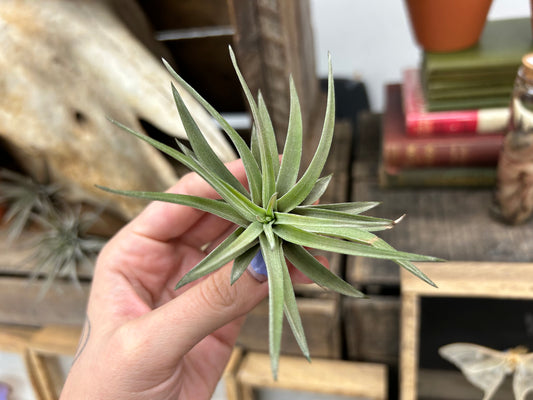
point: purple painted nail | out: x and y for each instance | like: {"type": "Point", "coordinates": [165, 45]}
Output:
{"type": "Point", "coordinates": [258, 267]}
{"type": "Point", "coordinates": [4, 391]}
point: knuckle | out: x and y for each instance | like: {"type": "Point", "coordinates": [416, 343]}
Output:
{"type": "Point", "coordinates": [217, 293]}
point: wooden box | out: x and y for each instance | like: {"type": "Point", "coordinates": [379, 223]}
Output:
{"type": "Point", "coordinates": [487, 303]}
{"type": "Point", "coordinates": [22, 301]}
{"type": "Point", "coordinates": [47, 354]}
{"type": "Point", "coordinates": [320, 320]}
{"type": "Point", "coordinates": [372, 329]}
{"type": "Point", "coordinates": [249, 372]}
{"type": "Point", "coordinates": [271, 38]}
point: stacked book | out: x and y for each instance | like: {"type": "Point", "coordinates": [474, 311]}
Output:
{"type": "Point", "coordinates": [444, 124]}
{"type": "Point", "coordinates": [481, 76]}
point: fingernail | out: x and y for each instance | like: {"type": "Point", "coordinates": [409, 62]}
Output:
{"type": "Point", "coordinates": [257, 267]}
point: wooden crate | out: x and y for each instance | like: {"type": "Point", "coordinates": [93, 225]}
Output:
{"type": "Point", "coordinates": [249, 372]}
{"type": "Point", "coordinates": [40, 348]}
{"type": "Point", "coordinates": [320, 320]}
{"type": "Point", "coordinates": [271, 38]}
{"type": "Point", "coordinates": [463, 283]}
{"type": "Point", "coordinates": [21, 300]}
{"type": "Point", "coordinates": [372, 329]}
{"type": "Point", "coordinates": [432, 383]}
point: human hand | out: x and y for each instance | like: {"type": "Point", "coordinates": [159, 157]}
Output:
{"type": "Point", "coordinates": [143, 339]}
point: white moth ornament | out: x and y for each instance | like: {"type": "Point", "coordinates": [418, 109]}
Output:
{"type": "Point", "coordinates": [486, 368]}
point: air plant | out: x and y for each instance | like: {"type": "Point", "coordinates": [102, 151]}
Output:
{"type": "Point", "coordinates": [64, 246]}
{"type": "Point", "coordinates": [25, 197]}
{"type": "Point", "coordinates": [277, 215]}
{"type": "Point", "coordinates": [61, 244]}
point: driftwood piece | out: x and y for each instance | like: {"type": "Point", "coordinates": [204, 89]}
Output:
{"type": "Point", "coordinates": [65, 67]}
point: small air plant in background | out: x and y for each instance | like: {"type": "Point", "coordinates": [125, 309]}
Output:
{"type": "Point", "coordinates": [64, 247]}
{"type": "Point", "coordinates": [24, 197]}
{"type": "Point", "coordinates": [60, 243]}
{"type": "Point", "coordinates": [277, 216]}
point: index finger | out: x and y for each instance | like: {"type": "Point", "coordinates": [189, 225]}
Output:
{"type": "Point", "coordinates": [165, 221]}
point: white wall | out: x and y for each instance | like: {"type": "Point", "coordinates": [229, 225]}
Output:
{"type": "Point", "coordinates": [371, 39]}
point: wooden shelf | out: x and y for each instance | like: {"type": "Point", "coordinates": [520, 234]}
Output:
{"type": "Point", "coordinates": [332, 377]}
{"type": "Point", "coordinates": [451, 223]}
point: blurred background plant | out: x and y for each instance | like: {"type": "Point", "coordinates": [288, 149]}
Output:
{"type": "Point", "coordinates": [61, 242]}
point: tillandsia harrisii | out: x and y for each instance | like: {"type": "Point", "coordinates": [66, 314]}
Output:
{"type": "Point", "coordinates": [278, 215]}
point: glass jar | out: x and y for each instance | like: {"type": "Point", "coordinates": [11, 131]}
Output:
{"type": "Point", "coordinates": [514, 194]}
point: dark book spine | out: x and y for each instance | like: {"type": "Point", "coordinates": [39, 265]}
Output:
{"type": "Point", "coordinates": [401, 151]}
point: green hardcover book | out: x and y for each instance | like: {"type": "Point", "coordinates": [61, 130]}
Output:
{"type": "Point", "coordinates": [437, 177]}
{"type": "Point", "coordinates": [468, 92]}
{"type": "Point", "coordinates": [468, 103]}
{"type": "Point", "coordinates": [481, 76]}
{"type": "Point", "coordinates": [501, 47]}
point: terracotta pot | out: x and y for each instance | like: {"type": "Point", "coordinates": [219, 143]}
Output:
{"type": "Point", "coordinates": [447, 25]}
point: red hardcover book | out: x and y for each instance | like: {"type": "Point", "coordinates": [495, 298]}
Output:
{"type": "Point", "coordinates": [401, 151]}
{"type": "Point", "coordinates": [420, 122]}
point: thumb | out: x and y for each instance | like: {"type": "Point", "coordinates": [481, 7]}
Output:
{"type": "Point", "coordinates": [202, 309]}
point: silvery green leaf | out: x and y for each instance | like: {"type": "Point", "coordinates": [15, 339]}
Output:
{"type": "Point", "coordinates": [274, 266]}
{"type": "Point", "coordinates": [242, 262]}
{"type": "Point", "coordinates": [215, 207]}
{"type": "Point", "coordinates": [226, 191]}
{"type": "Point", "coordinates": [405, 264]}
{"type": "Point", "coordinates": [269, 135]}
{"type": "Point", "coordinates": [252, 168]}
{"type": "Point", "coordinates": [201, 148]}
{"type": "Point", "coordinates": [318, 190]}
{"type": "Point", "coordinates": [292, 151]}
{"type": "Point", "coordinates": [361, 221]}
{"type": "Point", "coordinates": [254, 145]}
{"type": "Point", "coordinates": [351, 208]}
{"type": "Point", "coordinates": [233, 246]}
{"type": "Point", "coordinates": [291, 311]}
{"type": "Point", "coordinates": [313, 240]}
{"type": "Point", "coordinates": [241, 203]}
{"type": "Point", "coordinates": [263, 137]}
{"type": "Point", "coordinates": [315, 271]}
{"type": "Point", "coordinates": [267, 228]}
{"type": "Point", "coordinates": [303, 187]}
{"type": "Point", "coordinates": [327, 226]}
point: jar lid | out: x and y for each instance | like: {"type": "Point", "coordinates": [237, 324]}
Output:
{"type": "Point", "coordinates": [527, 63]}
{"type": "Point", "coordinates": [527, 60]}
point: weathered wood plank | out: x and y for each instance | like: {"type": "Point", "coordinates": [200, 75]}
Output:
{"type": "Point", "coordinates": [272, 40]}
{"type": "Point", "coordinates": [321, 322]}
{"type": "Point", "coordinates": [452, 385]}
{"type": "Point", "coordinates": [372, 329]}
{"type": "Point", "coordinates": [334, 377]}
{"type": "Point", "coordinates": [62, 304]}
{"type": "Point", "coordinates": [183, 14]}
{"type": "Point", "coordinates": [508, 280]}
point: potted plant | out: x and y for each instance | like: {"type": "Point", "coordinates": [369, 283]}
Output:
{"type": "Point", "coordinates": [277, 216]}
{"type": "Point", "coordinates": [447, 25]}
